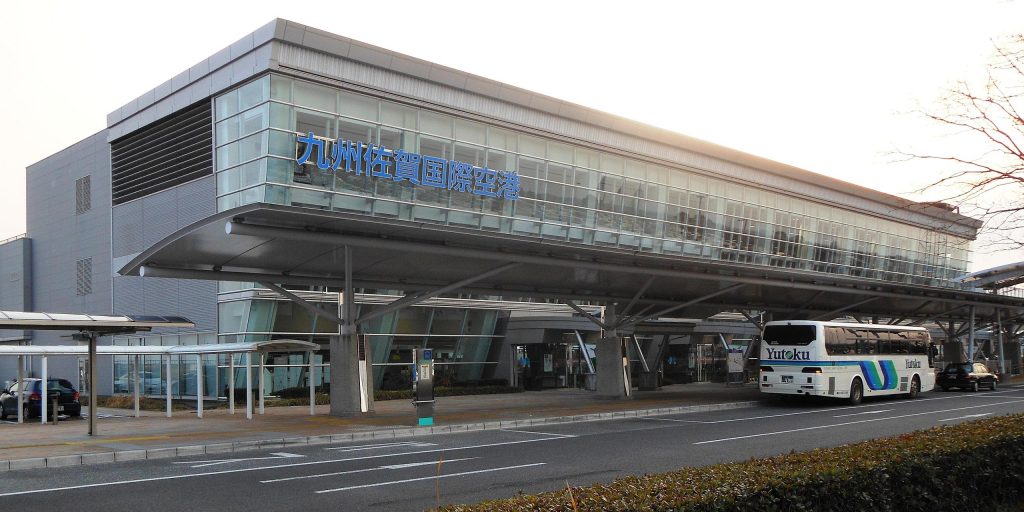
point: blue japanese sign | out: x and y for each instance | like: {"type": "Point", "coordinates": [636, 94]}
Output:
{"type": "Point", "coordinates": [424, 170]}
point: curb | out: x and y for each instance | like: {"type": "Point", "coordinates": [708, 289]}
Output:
{"type": "Point", "coordinates": [391, 433]}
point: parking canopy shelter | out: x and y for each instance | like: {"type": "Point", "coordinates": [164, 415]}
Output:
{"type": "Point", "coordinates": [88, 327]}
{"type": "Point", "coordinates": [247, 348]}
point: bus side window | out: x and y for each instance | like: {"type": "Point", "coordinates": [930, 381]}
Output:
{"type": "Point", "coordinates": [900, 343]}
{"type": "Point", "coordinates": [884, 343]}
{"type": "Point", "coordinates": [833, 342]}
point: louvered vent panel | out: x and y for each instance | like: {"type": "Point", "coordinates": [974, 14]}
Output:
{"type": "Point", "coordinates": [169, 152]}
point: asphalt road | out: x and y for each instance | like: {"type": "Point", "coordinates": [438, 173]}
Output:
{"type": "Point", "coordinates": [419, 472]}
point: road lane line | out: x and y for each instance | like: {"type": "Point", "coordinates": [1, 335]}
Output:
{"type": "Point", "coordinates": [678, 421]}
{"type": "Point", "coordinates": [378, 468]}
{"type": "Point", "coordinates": [415, 444]}
{"type": "Point", "coordinates": [264, 468]}
{"type": "Point", "coordinates": [799, 413]}
{"type": "Point", "coordinates": [819, 427]}
{"type": "Point", "coordinates": [275, 456]}
{"type": "Point", "coordinates": [968, 416]}
{"type": "Point", "coordinates": [538, 433]}
{"type": "Point", "coordinates": [861, 413]}
{"type": "Point", "coordinates": [432, 477]}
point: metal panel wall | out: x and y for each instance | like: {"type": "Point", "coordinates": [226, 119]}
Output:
{"type": "Point", "coordinates": [145, 221]}
{"type": "Point", "coordinates": [61, 237]}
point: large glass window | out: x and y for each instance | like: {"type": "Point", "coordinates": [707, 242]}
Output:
{"type": "Point", "coordinates": [567, 191]}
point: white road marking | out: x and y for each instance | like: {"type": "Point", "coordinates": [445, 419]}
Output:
{"type": "Point", "coordinates": [427, 463]}
{"type": "Point", "coordinates": [677, 421]}
{"type": "Point", "coordinates": [215, 462]}
{"type": "Point", "coordinates": [278, 466]}
{"type": "Point", "coordinates": [968, 417]}
{"type": "Point", "coordinates": [799, 413]}
{"type": "Point", "coordinates": [378, 468]}
{"type": "Point", "coordinates": [538, 433]}
{"type": "Point", "coordinates": [851, 423]}
{"type": "Point", "coordinates": [433, 477]}
{"type": "Point", "coordinates": [862, 413]}
{"type": "Point", "coordinates": [750, 418]}
{"type": "Point", "coordinates": [414, 444]}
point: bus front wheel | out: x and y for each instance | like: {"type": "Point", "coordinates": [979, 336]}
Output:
{"type": "Point", "coordinates": [856, 392]}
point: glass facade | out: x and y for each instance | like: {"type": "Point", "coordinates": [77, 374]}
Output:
{"type": "Point", "coordinates": [568, 192]}
{"type": "Point", "coordinates": [462, 339]}
{"type": "Point", "coordinates": [281, 370]}
{"type": "Point", "coordinates": [152, 380]}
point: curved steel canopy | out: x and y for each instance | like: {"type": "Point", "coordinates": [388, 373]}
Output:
{"type": "Point", "coordinates": [293, 245]}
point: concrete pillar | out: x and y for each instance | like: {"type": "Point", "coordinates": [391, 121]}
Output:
{"type": "Point", "coordinates": [351, 389]}
{"type": "Point", "coordinates": [1003, 369]}
{"type": "Point", "coordinates": [346, 399]}
{"type": "Point", "coordinates": [612, 365]}
{"type": "Point", "coordinates": [970, 338]}
{"type": "Point", "coordinates": [655, 354]}
{"type": "Point", "coordinates": [366, 374]}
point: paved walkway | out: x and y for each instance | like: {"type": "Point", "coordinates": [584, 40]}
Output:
{"type": "Point", "coordinates": [121, 436]}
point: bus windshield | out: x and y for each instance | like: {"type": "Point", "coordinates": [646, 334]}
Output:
{"type": "Point", "coordinates": [789, 334]}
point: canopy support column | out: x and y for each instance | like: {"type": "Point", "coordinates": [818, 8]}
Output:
{"type": "Point", "coordinates": [970, 338]}
{"type": "Point", "coordinates": [351, 387]}
{"type": "Point", "coordinates": [135, 379]}
{"type": "Point", "coordinates": [248, 385]}
{"type": "Point", "coordinates": [199, 386]}
{"type": "Point", "coordinates": [999, 341]}
{"type": "Point", "coordinates": [312, 383]}
{"type": "Point", "coordinates": [44, 393]}
{"type": "Point", "coordinates": [21, 390]}
{"type": "Point", "coordinates": [231, 383]}
{"type": "Point", "coordinates": [167, 382]}
{"type": "Point", "coordinates": [93, 406]}
{"type": "Point", "coordinates": [262, 381]}
{"type": "Point", "coordinates": [612, 360]}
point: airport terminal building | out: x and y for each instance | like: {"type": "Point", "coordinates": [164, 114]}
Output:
{"type": "Point", "coordinates": [304, 159]}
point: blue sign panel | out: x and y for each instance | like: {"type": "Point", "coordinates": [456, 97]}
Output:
{"type": "Point", "coordinates": [428, 171]}
{"type": "Point", "coordinates": [428, 354]}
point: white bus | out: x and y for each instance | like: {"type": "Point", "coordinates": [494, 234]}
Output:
{"type": "Point", "coordinates": [844, 360]}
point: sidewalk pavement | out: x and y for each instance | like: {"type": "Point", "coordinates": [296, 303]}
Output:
{"type": "Point", "coordinates": [121, 436]}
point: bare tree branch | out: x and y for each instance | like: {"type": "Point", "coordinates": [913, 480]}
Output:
{"type": "Point", "coordinates": [989, 183]}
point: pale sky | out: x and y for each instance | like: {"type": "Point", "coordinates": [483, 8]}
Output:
{"type": "Point", "coordinates": [825, 86]}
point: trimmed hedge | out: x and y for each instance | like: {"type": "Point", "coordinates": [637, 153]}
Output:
{"type": "Point", "coordinates": [978, 465]}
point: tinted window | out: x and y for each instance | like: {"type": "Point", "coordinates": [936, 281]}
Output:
{"type": "Point", "coordinates": [61, 385]}
{"type": "Point", "coordinates": [789, 334]}
{"type": "Point", "coordinates": [954, 368]}
{"type": "Point", "coordinates": [837, 342]}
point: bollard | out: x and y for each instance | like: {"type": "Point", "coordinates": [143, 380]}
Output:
{"type": "Point", "coordinates": [55, 410]}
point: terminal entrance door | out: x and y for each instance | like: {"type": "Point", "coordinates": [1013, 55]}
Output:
{"type": "Point", "coordinates": [702, 360]}
{"type": "Point", "coordinates": [543, 365]}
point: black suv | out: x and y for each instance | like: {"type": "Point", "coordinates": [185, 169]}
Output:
{"type": "Point", "coordinates": [61, 389]}
{"type": "Point", "coordinates": [966, 376]}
